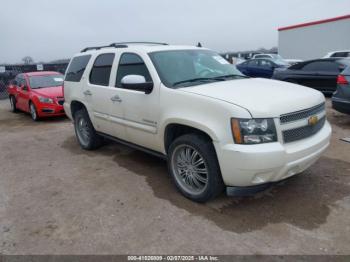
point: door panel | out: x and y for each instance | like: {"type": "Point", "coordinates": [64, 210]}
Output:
{"type": "Point", "coordinates": [104, 110]}
{"type": "Point", "coordinates": [326, 81]}
{"type": "Point", "coordinates": [320, 74]}
{"type": "Point", "coordinates": [141, 113]}
{"type": "Point", "coordinates": [22, 95]}
{"type": "Point", "coordinates": [308, 79]}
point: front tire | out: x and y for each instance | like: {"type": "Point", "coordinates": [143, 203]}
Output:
{"type": "Point", "coordinates": [13, 104]}
{"type": "Point", "coordinates": [194, 168]}
{"type": "Point", "coordinates": [85, 132]}
{"type": "Point", "coordinates": [33, 112]}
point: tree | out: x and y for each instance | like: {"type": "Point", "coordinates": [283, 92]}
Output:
{"type": "Point", "coordinates": [27, 60]}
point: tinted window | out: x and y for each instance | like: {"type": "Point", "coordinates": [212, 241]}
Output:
{"type": "Point", "coordinates": [346, 71]}
{"type": "Point", "coordinates": [101, 70]}
{"type": "Point", "coordinates": [341, 54]}
{"type": "Point", "coordinates": [265, 63]}
{"type": "Point", "coordinates": [252, 63]}
{"type": "Point", "coordinates": [76, 68]}
{"type": "Point", "coordinates": [321, 66]}
{"type": "Point", "coordinates": [262, 56]}
{"type": "Point", "coordinates": [131, 64]}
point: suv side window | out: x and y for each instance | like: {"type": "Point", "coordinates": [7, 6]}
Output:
{"type": "Point", "coordinates": [131, 64]}
{"type": "Point", "coordinates": [76, 68]}
{"type": "Point", "coordinates": [321, 66]}
{"type": "Point", "coordinates": [101, 70]}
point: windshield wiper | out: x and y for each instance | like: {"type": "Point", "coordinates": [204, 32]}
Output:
{"type": "Point", "coordinates": [197, 80]}
{"type": "Point", "coordinates": [228, 76]}
{"type": "Point", "coordinates": [217, 78]}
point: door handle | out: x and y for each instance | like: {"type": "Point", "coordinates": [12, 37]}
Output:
{"type": "Point", "coordinates": [116, 98]}
{"type": "Point", "coordinates": [87, 93]}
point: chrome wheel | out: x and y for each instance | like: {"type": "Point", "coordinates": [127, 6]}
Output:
{"type": "Point", "coordinates": [83, 131]}
{"type": "Point", "coordinates": [190, 169]}
{"type": "Point", "coordinates": [33, 112]}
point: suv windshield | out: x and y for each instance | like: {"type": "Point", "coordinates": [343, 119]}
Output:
{"type": "Point", "coordinates": [45, 81]}
{"type": "Point", "coordinates": [182, 68]}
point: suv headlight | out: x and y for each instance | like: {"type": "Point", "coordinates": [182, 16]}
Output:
{"type": "Point", "coordinates": [45, 100]}
{"type": "Point", "coordinates": [253, 131]}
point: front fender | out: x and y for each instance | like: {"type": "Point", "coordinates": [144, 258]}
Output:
{"type": "Point", "coordinates": [194, 124]}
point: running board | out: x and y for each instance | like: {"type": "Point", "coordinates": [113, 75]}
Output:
{"type": "Point", "coordinates": [134, 146]}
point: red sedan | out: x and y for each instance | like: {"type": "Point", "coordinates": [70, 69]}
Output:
{"type": "Point", "coordinates": [38, 93]}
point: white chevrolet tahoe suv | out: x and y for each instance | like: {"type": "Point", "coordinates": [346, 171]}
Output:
{"type": "Point", "coordinates": [217, 128]}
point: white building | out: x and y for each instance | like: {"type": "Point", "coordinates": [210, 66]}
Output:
{"type": "Point", "coordinates": [314, 39]}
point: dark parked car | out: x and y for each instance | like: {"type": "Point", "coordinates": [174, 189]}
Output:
{"type": "Point", "coordinates": [261, 67]}
{"type": "Point", "coordinates": [320, 74]}
{"type": "Point", "coordinates": [341, 97]}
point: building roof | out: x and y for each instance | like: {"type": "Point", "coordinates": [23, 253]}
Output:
{"type": "Point", "coordinates": [315, 22]}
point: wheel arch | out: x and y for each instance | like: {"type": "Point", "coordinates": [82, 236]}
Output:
{"type": "Point", "coordinates": [173, 130]}
{"type": "Point", "coordinates": [76, 105]}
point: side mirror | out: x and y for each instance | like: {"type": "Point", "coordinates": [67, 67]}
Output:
{"type": "Point", "coordinates": [137, 82]}
{"type": "Point", "coordinates": [24, 88]}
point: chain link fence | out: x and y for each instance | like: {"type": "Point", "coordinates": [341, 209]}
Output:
{"type": "Point", "coordinates": [9, 72]}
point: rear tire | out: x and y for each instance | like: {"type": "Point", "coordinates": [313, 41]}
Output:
{"type": "Point", "coordinates": [33, 112]}
{"type": "Point", "coordinates": [13, 104]}
{"type": "Point", "coordinates": [194, 168]}
{"type": "Point", "coordinates": [85, 132]}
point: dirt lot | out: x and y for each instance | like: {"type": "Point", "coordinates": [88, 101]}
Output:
{"type": "Point", "coordinates": [58, 199]}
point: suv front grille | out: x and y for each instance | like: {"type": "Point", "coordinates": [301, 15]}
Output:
{"type": "Point", "coordinates": [295, 116]}
{"type": "Point", "coordinates": [299, 133]}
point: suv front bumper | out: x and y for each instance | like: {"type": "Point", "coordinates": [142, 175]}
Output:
{"type": "Point", "coordinates": [251, 165]}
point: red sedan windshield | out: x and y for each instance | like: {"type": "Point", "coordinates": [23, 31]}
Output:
{"type": "Point", "coordinates": [45, 81]}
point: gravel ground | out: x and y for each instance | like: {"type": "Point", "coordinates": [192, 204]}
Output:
{"type": "Point", "coordinates": [56, 198]}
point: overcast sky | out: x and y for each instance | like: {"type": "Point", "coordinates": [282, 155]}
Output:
{"type": "Point", "coordinates": [51, 29]}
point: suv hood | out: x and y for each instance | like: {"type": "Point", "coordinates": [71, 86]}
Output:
{"type": "Point", "coordinates": [52, 92]}
{"type": "Point", "coordinates": [261, 97]}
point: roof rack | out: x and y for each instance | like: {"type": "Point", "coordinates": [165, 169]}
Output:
{"type": "Point", "coordinates": [119, 45]}
{"type": "Point", "coordinates": [147, 43]}
{"type": "Point", "coordinates": [104, 46]}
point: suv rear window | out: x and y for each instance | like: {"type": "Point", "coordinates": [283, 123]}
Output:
{"type": "Point", "coordinates": [76, 68]}
{"type": "Point", "coordinates": [341, 54]}
{"type": "Point", "coordinates": [325, 66]}
{"type": "Point", "coordinates": [101, 70]}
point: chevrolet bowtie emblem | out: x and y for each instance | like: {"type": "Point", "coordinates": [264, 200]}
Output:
{"type": "Point", "coordinates": [313, 120]}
